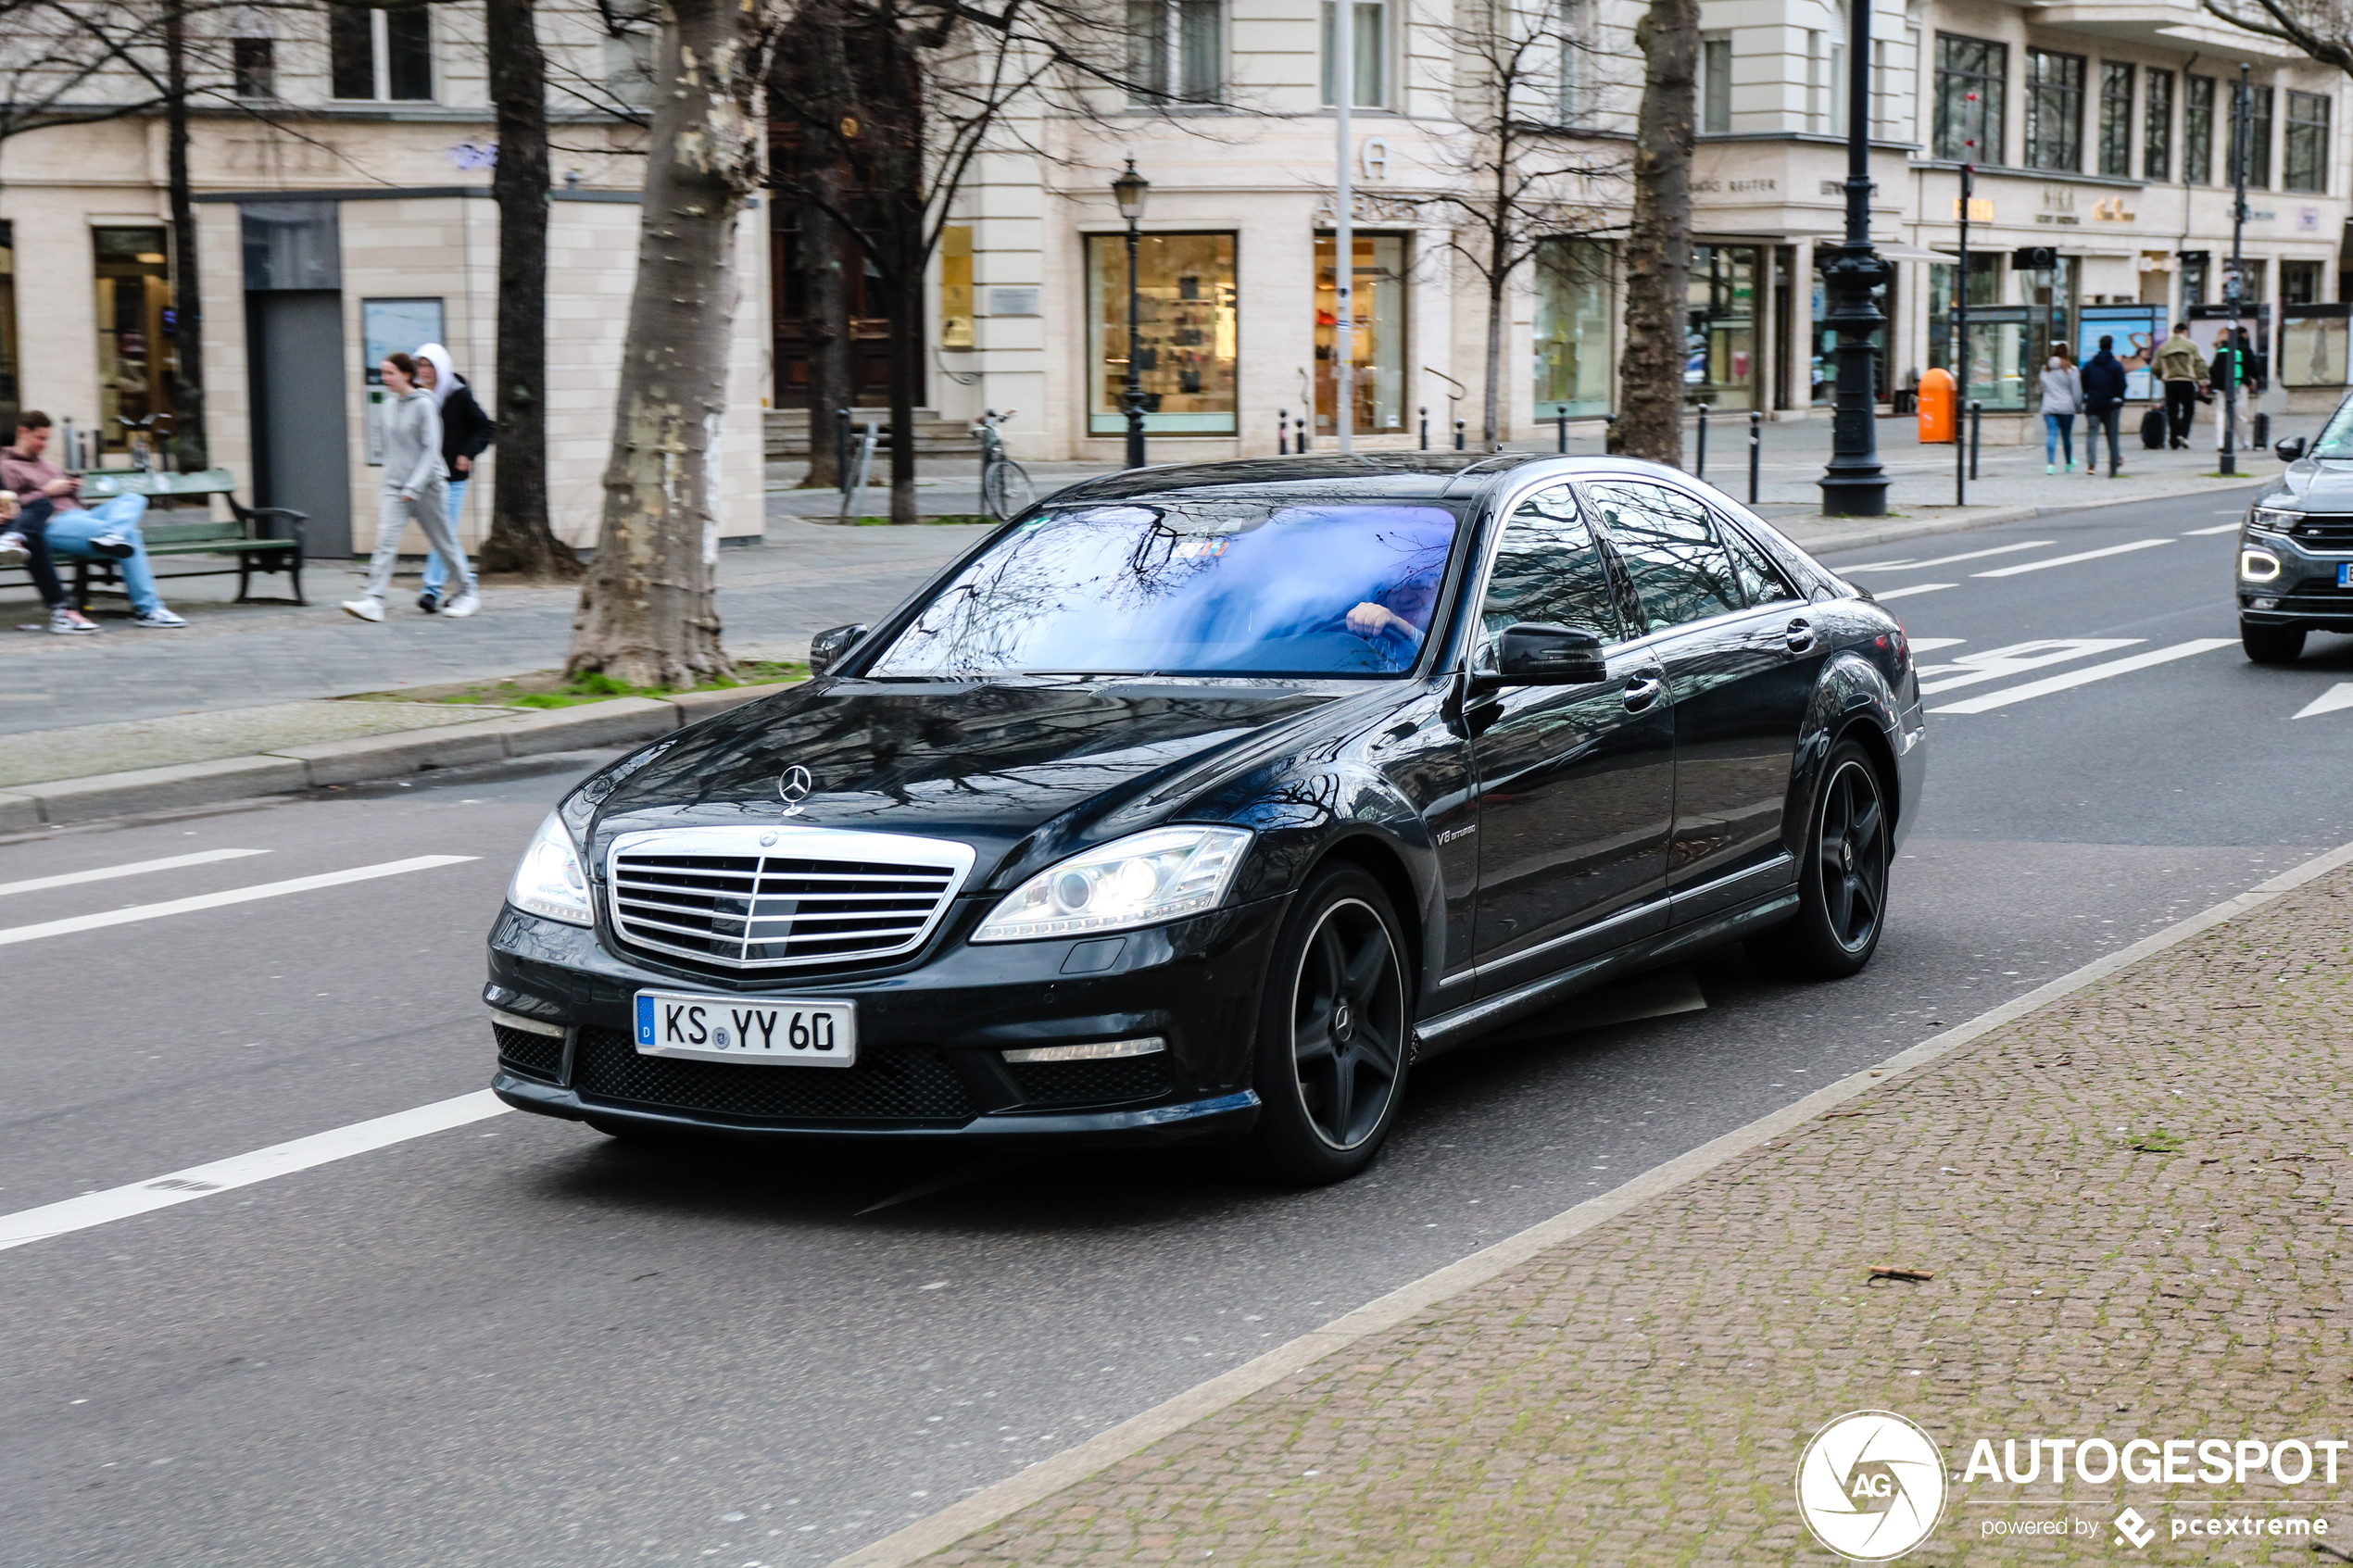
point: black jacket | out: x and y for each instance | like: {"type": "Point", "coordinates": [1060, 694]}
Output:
{"type": "Point", "coordinates": [466, 430]}
{"type": "Point", "coordinates": [2103, 383]}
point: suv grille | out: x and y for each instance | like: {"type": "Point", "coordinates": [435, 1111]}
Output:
{"type": "Point", "coordinates": [531, 1054]}
{"type": "Point", "coordinates": [824, 896]}
{"type": "Point", "coordinates": [2324, 531]}
{"type": "Point", "coordinates": [880, 1089]}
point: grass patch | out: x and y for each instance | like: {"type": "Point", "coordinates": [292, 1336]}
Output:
{"type": "Point", "coordinates": [961, 520]}
{"type": "Point", "coordinates": [549, 688]}
{"type": "Point", "coordinates": [2158, 1141]}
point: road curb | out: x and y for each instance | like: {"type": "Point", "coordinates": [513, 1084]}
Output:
{"type": "Point", "coordinates": [993, 1504]}
{"type": "Point", "coordinates": [619, 722]}
{"type": "Point", "coordinates": [1919, 528]}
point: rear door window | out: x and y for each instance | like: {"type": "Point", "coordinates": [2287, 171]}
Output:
{"type": "Point", "coordinates": [1761, 581]}
{"type": "Point", "coordinates": [1672, 549]}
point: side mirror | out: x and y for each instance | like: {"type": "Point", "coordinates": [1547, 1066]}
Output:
{"type": "Point", "coordinates": [1539, 654]}
{"type": "Point", "coordinates": [826, 647]}
{"type": "Point", "coordinates": [2289, 450]}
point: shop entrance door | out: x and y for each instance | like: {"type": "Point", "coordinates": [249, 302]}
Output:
{"type": "Point", "coordinates": [301, 446]}
{"type": "Point", "coordinates": [1376, 335]}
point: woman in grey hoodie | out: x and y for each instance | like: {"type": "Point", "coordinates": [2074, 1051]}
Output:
{"type": "Point", "coordinates": [2062, 400]}
{"type": "Point", "coordinates": [416, 485]}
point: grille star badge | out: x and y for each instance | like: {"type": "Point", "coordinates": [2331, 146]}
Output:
{"type": "Point", "coordinates": [793, 785]}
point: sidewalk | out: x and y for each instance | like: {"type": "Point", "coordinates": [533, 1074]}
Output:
{"type": "Point", "coordinates": [2132, 1201]}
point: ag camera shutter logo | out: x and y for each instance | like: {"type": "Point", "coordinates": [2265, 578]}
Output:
{"type": "Point", "coordinates": [1870, 1485]}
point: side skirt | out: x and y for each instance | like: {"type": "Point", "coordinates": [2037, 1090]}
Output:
{"type": "Point", "coordinates": [1447, 1031]}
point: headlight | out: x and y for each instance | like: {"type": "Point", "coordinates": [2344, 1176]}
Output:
{"type": "Point", "coordinates": [2258, 566]}
{"type": "Point", "coordinates": [2274, 520]}
{"type": "Point", "coordinates": [549, 882]}
{"type": "Point", "coordinates": [1141, 880]}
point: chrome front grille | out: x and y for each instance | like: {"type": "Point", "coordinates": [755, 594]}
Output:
{"type": "Point", "coordinates": [778, 897]}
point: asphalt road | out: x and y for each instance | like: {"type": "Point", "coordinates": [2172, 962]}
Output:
{"type": "Point", "coordinates": [515, 1342]}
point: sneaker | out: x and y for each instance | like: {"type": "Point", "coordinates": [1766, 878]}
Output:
{"type": "Point", "coordinates": [365, 608]}
{"type": "Point", "coordinates": [429, 601]}
{"type": "Point", "coordinates": [158, 617]}
{"type": "Point", "coordinates": [67, 621]}
{"type": "Point", "coordinates": [114, 546]}
{"type": "Point", "coordinates": [465, 604]}
{"type": "Point", "coordinates": [2053, 467]}
{"type": "Point", "coordinates": [13, 551]}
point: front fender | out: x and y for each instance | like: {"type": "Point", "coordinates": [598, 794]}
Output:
{"type": "Point", "coordinates": [1851, 692]}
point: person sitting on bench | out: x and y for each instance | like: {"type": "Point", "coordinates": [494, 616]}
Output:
{"type": "Point", "coordinates": [108, 531]}
{"type": "Point", "coordinates": [23, 542]}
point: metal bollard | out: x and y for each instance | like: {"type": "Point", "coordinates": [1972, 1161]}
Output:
{"type": "Point", "coordinates": [1976, 431]}
{"type": "Point", "coordinates": [1701, 471]}
{"type": "Point", "coordinates": [1755, 452]}
{"type": "Point", "coordinates": [842, 448]}
{"type": "Point", "coordinates": [1282, 432]}
{"type": "Point", "coordinates": [1561, 443]}
{"type": "Point", "coordinates": [2262, 431]}
{"type": "Point", "coordinates": [1425, 427]}
{"type": "Point", "coordinates": [1461, 428]}
{"type": "Point", "coordinates": [1299, 432]}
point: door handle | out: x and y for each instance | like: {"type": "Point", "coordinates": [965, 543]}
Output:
{"type": "Point", "coordinates": [1801, 635]}
{"type": "Point", "coordinates": [1641, 691]}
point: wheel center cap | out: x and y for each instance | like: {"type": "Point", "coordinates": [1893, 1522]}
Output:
{"type": "Point", "coordinates": [1846, 855]}
{"type": "Point", "coordinates": [1343, 1021]}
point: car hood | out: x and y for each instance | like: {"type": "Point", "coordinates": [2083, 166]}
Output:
{"type": "Point", "coordinates": [2319, 484]}
{"type": "Point", "coordinates": [988, 763]}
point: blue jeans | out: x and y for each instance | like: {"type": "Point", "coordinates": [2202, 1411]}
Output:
{"type": "Point", "coordinates": [437, 574]}
{"type": "Point", "coordinates": [70, 532]}
{"type": "Point", "coordinates": [2059, 435]}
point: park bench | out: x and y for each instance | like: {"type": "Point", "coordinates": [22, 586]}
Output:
{"type": "Point", "coordinates": [264, 539]}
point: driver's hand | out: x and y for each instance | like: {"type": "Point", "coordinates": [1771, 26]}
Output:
{"type": "Point", "coordinates": [1370, 620]}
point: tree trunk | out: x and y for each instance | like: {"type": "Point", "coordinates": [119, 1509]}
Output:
{"type": "Point", "coordinates": [825, 323]}
{"type": "Point", "coordinates": [520, 539]}
{"type": "Point", "coordinates": [897, 112]}
{"type": "Point", "coordinates": [647, 612]}
{"type": "Point", "coordinates": [187, 443]}
{"type": "Point", "coordinates": [1658, 244]}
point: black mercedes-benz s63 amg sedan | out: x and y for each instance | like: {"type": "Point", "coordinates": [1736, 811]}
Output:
{"type": "Point", "coordinates": [1203, 802]}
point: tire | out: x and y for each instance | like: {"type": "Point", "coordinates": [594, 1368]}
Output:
{"type": "Point", "coordinates": [1005, 490]}
{"type": "Point", "coordinates": [2272, 644]}
{"type": "Point", "coordinates": [1841, 879]}
{"type": "Point", "coordinates": [1334, 1034]}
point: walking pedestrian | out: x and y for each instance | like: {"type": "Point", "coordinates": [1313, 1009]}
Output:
{"type": "Point", "coordinates": [466, 434]}
{"type": "Point", "coordinates": [106, 532]}
{"type": "Point", "coordinates": [416, 484]}
{"type": "Point", "coordinates": [2062, 397]}
{"type": "Point", "coordinates": [2180, 368]}
{"type": "Point", "coordinates": [2227, 369]}
{"type": "Point", "coordinates": [2103, 379]}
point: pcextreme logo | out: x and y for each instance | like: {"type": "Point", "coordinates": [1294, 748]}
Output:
{"type": "Point", "coordinates": [1870, 1485]}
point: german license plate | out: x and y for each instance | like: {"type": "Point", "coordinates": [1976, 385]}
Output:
{"type": "Point", "coordinates": [784, 1034]}
{"type": "Point", "coordinates": [2344, 574]}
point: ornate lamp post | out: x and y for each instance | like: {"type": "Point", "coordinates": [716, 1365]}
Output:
{"type": "Point", "coordinates": [1855, 485]}
{"type": "Point", "coordinates": [1129, 190]}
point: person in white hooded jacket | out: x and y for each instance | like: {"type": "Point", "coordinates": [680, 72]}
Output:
{"type": "Point", "coordinates": [2062, 400]}
{"type": "Point", "coordinates": [416, 484]}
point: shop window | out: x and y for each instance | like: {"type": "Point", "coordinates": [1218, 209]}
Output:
{"type": "Point", "coordinates": [2156, 127]}
{"type": "Point", "coordinates": [1715, 85]}
{"type": "Point", "coordinates": [1984, 289]}
{"type": "Point", "coordinates": [1175, 51]}
{"type": "Point", "coordinates": [1719, 334]}
{"type": "Point", "coordinates": [2116, 118]}
{"type": "Point", "coordinates": [9, 382]}
{"type": "Point", "coordinates": [2054, 110]}
{"type": "Point", "coordinates": [1964, 66]}
{"type": "Point", "coordinates": [956, 286]}
{"type": "Point", "coordinates": [1576, 343]}
{"type": "Point", "coordinates": [1186, 349]}
{"type": "Point", "coordinates": [2307, 141]}
{"type": "Point", "coordinates": [2194, 273]}
{"type": "Point", "coordinates": [1825, 348]}
{"type": "Point", "coordinates": [1370, 58]}
{"type": "Point", "coordinates": [1376, 335]}
{"type": "Point", "coordinates": [2300, 283]}
{"type": "Point", "coordinates": [254, 67]}
{"type": "Point", "coordinates": [135, 362]}
{"type": "Point", "coordinates": [380, 55]}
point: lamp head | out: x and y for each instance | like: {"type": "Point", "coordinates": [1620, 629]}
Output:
{"type": "Point", "coordinates": [1129, 190]}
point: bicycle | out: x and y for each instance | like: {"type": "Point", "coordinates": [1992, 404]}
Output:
{"type": "Point", "coordinates": [1005, 489]}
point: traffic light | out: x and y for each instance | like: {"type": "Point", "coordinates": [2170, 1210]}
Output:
{"type": "Point", "coordinates": [2033, 258]}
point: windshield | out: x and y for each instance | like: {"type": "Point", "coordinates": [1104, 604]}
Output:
{"type": "Point", "coordinates": [2335, 439]}
{"type": "Point", "coordinates": [1204, 587]}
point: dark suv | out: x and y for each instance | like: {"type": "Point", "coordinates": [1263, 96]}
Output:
{"type": "Point", "coordinates": [1203, 802]}
{"type": "Point", "coordinates": [2296, 549]}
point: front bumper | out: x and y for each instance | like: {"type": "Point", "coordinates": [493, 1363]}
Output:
{"type": "Point", "coordinates": [931, 1037]}
{"type": "Point", "coordinates": [2304, 595]}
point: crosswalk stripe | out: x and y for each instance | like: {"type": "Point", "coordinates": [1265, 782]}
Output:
{"type": "Point", "coordinates": [16, 934]}
{"type": "Point", "coordinates": [2003, 698]}
{"type": "Point", "coordinates": [243, 1170]}
{"type": "Point", "coordinates": [2339, 695]}
{"type": "Point", "coordinates": [2000, 664]}
{"type": "Point", "coordinates": [134, 868]}
{"type": "Point", "coordinates": [2070, 561]}
{"type": "Point", "coordinates": [2232, 527]}
{"type": "Point", "coordinates": [1915, 588]}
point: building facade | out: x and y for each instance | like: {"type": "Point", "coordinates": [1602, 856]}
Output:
{"type": "Point", "coordinates": [2101, 132]}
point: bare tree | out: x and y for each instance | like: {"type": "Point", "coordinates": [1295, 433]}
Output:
{"type": "Point", "coordinates": [2322, 29]}
{"type": "Point", "coordinates": [646, 614]}
{"type": "Point", "coordinates": [1658, 249]}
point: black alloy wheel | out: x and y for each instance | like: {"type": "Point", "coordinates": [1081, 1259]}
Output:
{"type": "Point", "coordinates": [1841, 879]}
{"type": "Point", "coordinates": [1335, 1034]}
{"type": "Point", "coordinates": [2272, 644]}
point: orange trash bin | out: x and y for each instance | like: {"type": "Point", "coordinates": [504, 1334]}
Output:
{"type": "Point", "coordinates": [1937, 413]}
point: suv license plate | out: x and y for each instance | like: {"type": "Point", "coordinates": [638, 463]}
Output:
{"type": "Point", "coordinates": [788, 1033]}
{"type": "Point", "coordinates": [2344, 574]}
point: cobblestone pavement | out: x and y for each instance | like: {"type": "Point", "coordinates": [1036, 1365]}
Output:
{"type": "Point", "coordinates": [2132, 1202]}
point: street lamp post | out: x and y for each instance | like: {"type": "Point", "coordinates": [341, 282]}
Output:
{"type": "Point", "coordinates": [1129, 190]}
{"type": "Point", "coordinates": [1960, 301]}
{"type": "Point", "coordinates": [1855, 485]}
{"type": "Point", "coordinates": [2233, 285]}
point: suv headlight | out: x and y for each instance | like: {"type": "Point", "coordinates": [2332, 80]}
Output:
{"type": "Point", "coordinates": [549, 882]}
{"type": "Point", "coordinates": [2274, 520]}
{"type": "Point", "coordinates": [1140, 880]}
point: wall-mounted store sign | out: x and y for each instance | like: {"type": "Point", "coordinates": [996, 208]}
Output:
{"type": "Point", "coordinates": [1981, 210]}
{"type": "Point", "coordinates": [2110, 211]}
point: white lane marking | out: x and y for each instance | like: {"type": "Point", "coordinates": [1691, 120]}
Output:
{"type": "Point", "coordinates": [2202, 533]}
{"type": "Point", "coordinates": [1907, 592]}
{"type": "Point", "coordinates": [2336, 696]}
{"type": "Point", "coordinates": [1871, 566]}
{"type": "Point", "coordinates": [243, 1170]}
{"type": "Point", "coordinates": [1992, 700]}
{"type": "Point", "coordinates": [1929, 645]}
{"type": "Point", "coordinates": [1949, 560]}
{"type": "Point", "coordinates": [1994, 664]}
{"type": "Point", "coordinates": [134, 868]}
{"type": "Point", "coordinates": [2070, 561]}
{"type": "Point", "coordinates": [16, 934]}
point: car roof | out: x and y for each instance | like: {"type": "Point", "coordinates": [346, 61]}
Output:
{"type": "Point", "coordinates": [1386, 475]}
